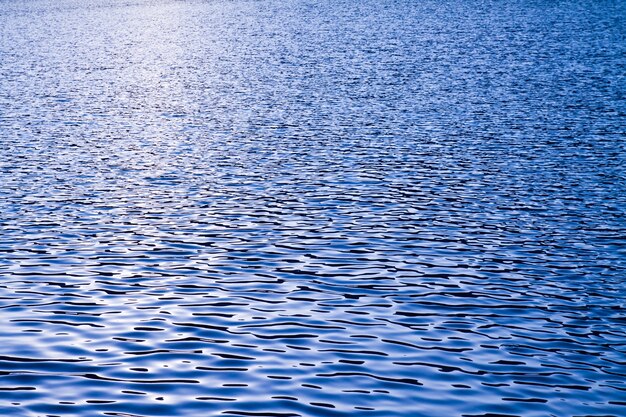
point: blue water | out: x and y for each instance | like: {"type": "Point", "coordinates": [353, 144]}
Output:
{"type": "Point", "coordinates": [297, 208]}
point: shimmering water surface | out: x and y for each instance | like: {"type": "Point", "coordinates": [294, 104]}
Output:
{"type": "Point", "coordinates": [298, 208]}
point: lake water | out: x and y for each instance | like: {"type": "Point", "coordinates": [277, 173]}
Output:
{"type": "Point", "coordinates": [298, 208]}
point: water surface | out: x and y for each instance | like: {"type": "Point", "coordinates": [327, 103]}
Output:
{"type": "Point", "coordinates": [297, 208]}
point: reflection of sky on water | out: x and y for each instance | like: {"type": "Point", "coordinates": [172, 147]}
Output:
{"type": "Point", "coordinates": [376, 208]}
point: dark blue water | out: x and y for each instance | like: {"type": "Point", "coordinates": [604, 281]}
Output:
{"type": "Point", "coordinates": [298, 208]}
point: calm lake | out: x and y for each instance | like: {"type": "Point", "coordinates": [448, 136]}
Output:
{"type": "Point", "coordinates": [385, 208]}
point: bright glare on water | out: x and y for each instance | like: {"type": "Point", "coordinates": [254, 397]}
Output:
{"type": "Point", "coordinates": [385, 208]}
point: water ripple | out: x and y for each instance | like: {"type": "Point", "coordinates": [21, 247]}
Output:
{"type": "Point", "coordinates": [264, 208]}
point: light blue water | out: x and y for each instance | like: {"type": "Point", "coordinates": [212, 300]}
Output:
{"type": "Point", "coordinates": [281, 208]}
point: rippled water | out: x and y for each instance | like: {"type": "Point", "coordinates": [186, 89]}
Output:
{"type": "Point", "coordinates": [282, 208]}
